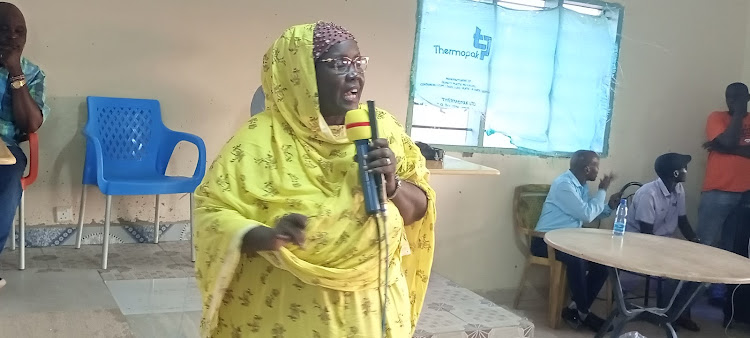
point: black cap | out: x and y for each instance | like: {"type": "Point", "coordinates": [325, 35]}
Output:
{"type": "Point", "coordinates": [668, 163]}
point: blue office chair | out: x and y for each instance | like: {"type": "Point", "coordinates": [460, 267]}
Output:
{"type": "Point", "coordinates": [127, 152]}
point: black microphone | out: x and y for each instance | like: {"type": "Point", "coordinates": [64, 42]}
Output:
{"type": "Point", "coordinates": [359, 131]}
{"type": "Point", "coordinates": [379, 179]}
{"type": "Point", "coordinates": [380, 219]}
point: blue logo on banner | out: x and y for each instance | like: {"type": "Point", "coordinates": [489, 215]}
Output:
{"type": "Point", "coordinates": [484, 47]}
{"type": "Point", "coordinates": [481, 42]}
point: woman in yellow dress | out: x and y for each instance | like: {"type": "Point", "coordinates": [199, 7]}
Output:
{"type": "Point", "coordinates": [284, 246]}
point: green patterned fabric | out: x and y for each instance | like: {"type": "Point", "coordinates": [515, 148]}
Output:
{"type": "Point", "coordinates": [529, 205]}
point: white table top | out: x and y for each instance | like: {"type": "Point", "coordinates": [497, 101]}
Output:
{"type": "Point", "coordinates": [653, 255]}
{"type": "Point", "coordinates": [6, 157]}
{"type": "Point", "coordinates": [456, 166]}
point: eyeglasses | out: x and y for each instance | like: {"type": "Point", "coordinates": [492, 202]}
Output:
{"type": "Point", "coordinates": [343, 64]}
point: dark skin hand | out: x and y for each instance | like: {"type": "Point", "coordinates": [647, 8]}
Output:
{"type": "Point", "coordinates": [683, 224]}
{"type": "Point", "coordinates": [411, 201]}
{"type": "Point", "coordinates": [289, 229]}
{"type": "Point", "coordinates": [687, 230]}
{"type": "Point", "coordinates": [731, 136]}
{"type": "Point", "coordinates": [743, 151]}
{"type": "Point", "coordinates": [606, 181]}
{"type": "Point", "coordinates": [26, 113]}
{"type": "Point", "coordinates": [614, 199]}
{"type": "Point", "coordinates": [728, 141]}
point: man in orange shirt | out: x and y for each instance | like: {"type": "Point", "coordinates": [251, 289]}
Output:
{"type": "Point", "coordinates": [727, 184]}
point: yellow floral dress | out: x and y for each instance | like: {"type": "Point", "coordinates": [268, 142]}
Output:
{"type": "Point", "coordinates": [288, 160]}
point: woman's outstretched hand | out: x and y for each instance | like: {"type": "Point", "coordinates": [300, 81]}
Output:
{"type": "Point", "coordinates": [288, 229]}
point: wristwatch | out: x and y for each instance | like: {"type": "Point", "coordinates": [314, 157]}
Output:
{"type": "Point", "coordinates": [17, 84]}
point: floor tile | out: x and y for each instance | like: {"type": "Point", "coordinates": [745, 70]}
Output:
{"type": "Point", "coordinates": [129, 272]}
{"type": "Point", "coordinates": [9, 259]}
{"type": "Point", "coordinates": [181, 247]}
{"type": "Point", "coordinates": [177, 325]}
{"type": "Point", "coordinates": [87, 257]}
{"type": "Point", "coordinates": [136, 297]}
{"type": "Point", "coordinates": [68, 324]}
{"type": "Point", "coordinates": [708, 318]}
{"type": "Point", "coordinates": [44, 290]}
{"type": "Point", "coordinates": [149, 291]}
{"type": "Point", "coordinates": [138, 255]}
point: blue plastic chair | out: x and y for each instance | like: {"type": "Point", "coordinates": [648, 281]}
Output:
{"type": "Point", "coordinates": [127, 152]}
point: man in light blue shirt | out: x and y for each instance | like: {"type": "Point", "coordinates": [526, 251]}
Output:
{"type": "Point", "coordinates": [569, 205]}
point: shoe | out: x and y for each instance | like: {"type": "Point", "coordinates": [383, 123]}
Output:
{"type": "Point", "coordinates": [571, 317]}
{"type": "Point", "coordinates": [2, 283]}
{"type": "Point", "coordinates": [687, 324]}
{"type": "Point", "coordinates": [593, 322]}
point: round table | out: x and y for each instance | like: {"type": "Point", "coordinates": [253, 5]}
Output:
{"type": "Point", "coordinates": [651, 255]}
{"type": "Point", "coordinates": [6, 157]}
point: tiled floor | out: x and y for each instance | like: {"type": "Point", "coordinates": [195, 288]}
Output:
{"type": "Point", "coordinates": [534, 307]}
{"type": "Point", "coordinates": [149, 291]}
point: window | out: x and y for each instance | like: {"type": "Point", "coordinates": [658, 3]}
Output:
{"type": "Point", "coordinates": [535, 76]}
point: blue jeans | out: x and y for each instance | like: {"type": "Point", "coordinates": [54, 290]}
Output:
{"type": "Point", "coordinates": [715, 224]}
{"type": "Point", "coordinates": [10, 192]}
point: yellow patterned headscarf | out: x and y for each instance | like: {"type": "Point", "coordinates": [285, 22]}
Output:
{"type": "Point", "coordinates": [288, 160]}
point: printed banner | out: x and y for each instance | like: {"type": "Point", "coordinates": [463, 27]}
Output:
{"type": "Point", "coordinates": [454, 49]}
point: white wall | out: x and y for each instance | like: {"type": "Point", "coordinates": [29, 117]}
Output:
{"type": "Point", "coordinates": [676, 59]}
{"type": "Point", "coordinates": [202, 60]}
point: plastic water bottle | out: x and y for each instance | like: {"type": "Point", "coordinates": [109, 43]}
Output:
{"type": "Point", "coordinates": [621, 218]}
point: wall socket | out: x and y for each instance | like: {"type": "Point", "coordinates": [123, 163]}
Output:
{"type": "Point", "coordinates": [63, 215]}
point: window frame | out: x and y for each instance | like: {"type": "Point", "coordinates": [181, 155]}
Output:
{"type": "Point", "coordinates": [482, 132]}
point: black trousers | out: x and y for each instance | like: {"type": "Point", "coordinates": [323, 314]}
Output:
{"type": "Point", "coordinates": [585, 278]}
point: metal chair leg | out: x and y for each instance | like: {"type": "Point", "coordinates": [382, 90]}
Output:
{"type": "Point", "coordinates": [648, 291]}
{"type": "Point", "coordinates": [658, 289]}
{"type": "Point", "coordinates": [105, 239]}
{"type": "Point", "coordinates": [79, 236]}
{"type": "Point", "coordinates": [609, 299]}
{"type": "Point", "coordinates": [156, 221]}
{"type": "Point", "coordinates": [669, 329]}
{"type": "Point", "coordinates": [13, 232]}
{"type": "Point", "coordinates": [22, 232]}
{"type": "Point", "coordinates": [192, 234]}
